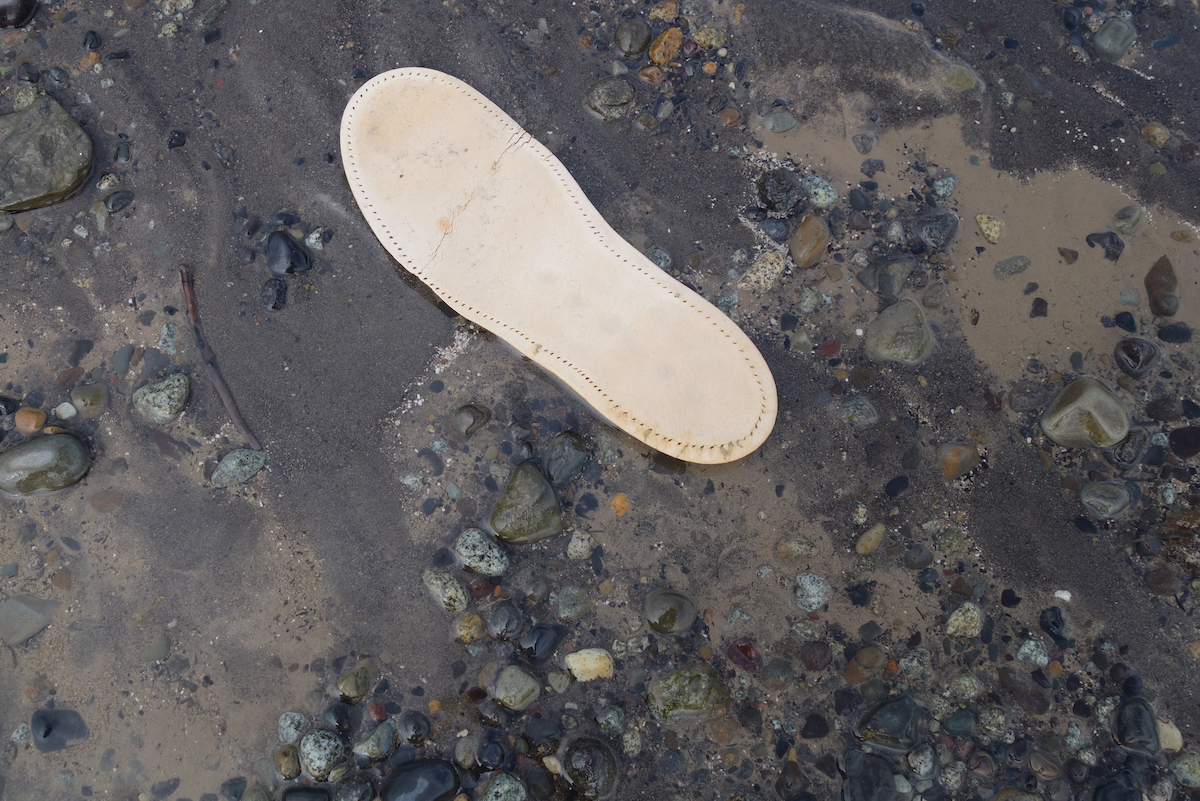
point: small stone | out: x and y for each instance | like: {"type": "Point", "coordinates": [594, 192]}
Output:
{"type": "Point", "coordinates": [868, 777]}
{"type": "Point", "coordinates": [730, 116]}
{"type": "Point", "coordinates": [157, 650]}
{"type": "Point", "coordinates": [990, 226]}
{"type": "Point", "coordinates": [1186, 769]}
{"type": "Point", "coordinates": [516, 689]}
{"type": "Point", "coordinates": [90, 400]}
{"type": "Point", "coordinates": [709, 37]}
{"type": "Point", "coordinates": [29, 421]}
{"type": "Point", "coordinates": [44, 155]}
{"type": "Point", "coordinates": [691, 691]}
{"type": "Point", "coordinates": [581, 546]}
{"type": "Point", "coordinates": [1014, 265]}
{"type": "Point", "coordinates": [812, 592]}
{"type": "Point", "coordinates": [448, 590]}
{"type": "Point", "coordinates": [54, 729]}
{"type": "Point", "coordinates": [528, 509]}
{"type": "Point", "coordinates": [763, 273]}
{"type": "Point", "coordinates": [573, 604]}
{"type": "Point", "coordinates": [379, 743]}
{"type": "Point", "coordinates": [1114, 39]}
{"type": "Point", "coordinates": [666, 46]}
{"type": "Point", "coordinates": [1032, 650]}
{"type": "Point", "coordinates": [809, 242]}
{"type": "Point", "coordinates": [1113, 245]}
{"type": "Point", "coordinates": [287, 762]}
{"type": "Point", "coordinates": [421, 780]}
{"type": "Point", "coordinates": [291, 726]}
{"type": "Point", "coordinates": [43, 465]}
{"type": "Point", "coordinates": [1156, 134]}
{"type": "Point", "coordinates": [1169, 736]}
{"type": "Point", "coordinates": [1069, 256]}
{"type": "Point", "coordinates": [779, 122]}
{"type": "Point", "coordinates": [944, 187]}
{"type": "Point", "coordinates": [65, 411]}
{"type": "Point", "coordinates": [285, 256]}
{"type": "Point", "coordinates": [23, 616]}
{"type": "Point", "coordinates": [632, 36]}
{"type": "Point", "coordinates": [1161, 284]}
{"type": "Point", "coordinates": [669, 611]}
{"type": "Point", "coordinates": [591, 768]}
{"type": "Point", "coordinates": [965, 622]}
{"type": "Point", "coordinates": [480, 553]}
{"type": "Point", "coordinates": [1086, 414]}
{"type": "Point", "coordinates": [503, 787]}
{"type": "Point", "coordinates": [610, 97]}
{"type": "Point", "coordinates": [590, 663]}
{"type": "Point", "coordinates": [238, 467]}
{"type": "Point", "coordinates": [565, 458]}
{"type": "Point", "coordinates": [794, 548]}
{"type": "Point", "coordinates": [320, 750]}
{"type": "Point", "coordinates": [779, 190]}
{"type": "Point", "coordinates": [1136, 356]}
{"type": "Point", "coordinates": [1105, 500]}
{"type": "Point", "coordinates": [893, 725]}
{"type": "Point", "coordinates": [900, 334]}
{"type": "Point", "coordinates": [161, 402]}
{"type": "Point", "coordinates": [956, 459]}
{"type": "Point", "coordinates": [1127, 219]}
{"type": "Point", "coordinates": [870, 540]}
{"type": "Point", "coordinates": [358, 681]}
{"type": "Point", "coordinates": [820, 193]}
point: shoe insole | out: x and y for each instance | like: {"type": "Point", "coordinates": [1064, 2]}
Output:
{"type": "Point", "coordinates": [494, 224]}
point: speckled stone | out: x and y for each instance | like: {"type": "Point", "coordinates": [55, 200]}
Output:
{"type": "Point", "coordinates": [480, 553]}
{"type": "Point", "coordinates": [320, 750]}
{"type": "Point", "coordinates": [446, 588]}
{"type": "Point", "coordinates": [160, 402]}
{"type": "Point", "coordinates": [238, 467]}
{"type": "Point", "coordinates": [691, 691]}
{"type": "Point", "coordinates": [812, 592]}
{"type": "Point", "coordinates": [966, 621]}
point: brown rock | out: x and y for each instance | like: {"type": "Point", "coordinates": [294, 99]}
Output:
{"type": "Point", "coordinates": [816, 655]}
{"type": "Point", "coordinates": [1027, 695]}
{"type": "Point", "coordinates": [1161, 284]}
{"type": "Point", "coordinates": [957, 459]}
{"type": "Point", "coordinates": [1156, 134]}
{"type": "Point", "coordinates": [666, 46]}
{"type": "Point", "coordinates": [29, 421]}
{"type": "Point", "coordinates": [730, 116]}
{"type": "Point", "coordinates": [652, 75]}
{"type": "Point", "coordinates": [809, 242]}
{"type": "Point", "coordinates": [865, 664]}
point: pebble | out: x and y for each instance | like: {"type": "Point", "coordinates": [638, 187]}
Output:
{"type": "Point", "coordinates": [503, 787]}
{"type": "Point", "coordinates": [669, 611]}
{"type": "Point", "coordinates": [1114, 39]}
{"type": "Point", "coordinates": [1186, 769]}
{"type": "Point", "coordinates": [776, 229]}
{"type": "Point", "coordinates": [1156, 134]}
{"type": "Point", "coordinates": [43, 465]}
{"type": "Point", "coordinates": [1136, 727]}
{"type": "Point", "coordinates": [1086, 414]}
{"type": "Point", "coordinates": [272, 296]}
{"type": "Point", "coordinates": [54, 729]}
{"type": "Point", "coordinates": [157, 650]}
{"type": "Point", "coordinates": [591, 768]}
{"type": "Point", "coordinates": [528, 509]}
{"type": "Point", "coordinates": [900, 334]}
{"type": "Point", "coordinates": [480, 553]}
{"type": "Point", "coordinates": [709, 37]}
{"type": "Point", "coordinates": [893, 725]}
{"type": "Point", "coordinates": [666, 46]}
{"type": "Point", "coordinates": [632, 36]}
{"type": "Point", "coordinates": [779, 190]}
{"type": "Point", "coordinates": [421, 780]}
{"type": "Point", "coordinates": [1105, 500]}
{"type": "Point", "coordinates": [1161, 284]}
{"type": "Point", "coordinates": [1175, 333]}
{"type": "Point", "coordinates": [573, 603]}
{"type": "Point", "coordinates": [160, 402]}
{"type": "Point", "coordinates": [610, 98]}
{"type": "Point", "coordinates": [808, 244]}
{"type": "Point", "coordinates": [1007, 268]}
{"type": "Point", "coordinates": [580, 546]}
{"type": "Point", "coordinates": [287, 762]}
{"type": "Point", "coordinates": [378, 744]}
{"type": "Point", "coordinates": [936, 229]}
{"type": "Point", "coordinates": [1069, 256]}
{"type": "Point", "coordinates": [1032, 650]}
{"type": "Point", "coordinates": [1128, 218]}
{"type": "Point", "coordinates": [812, 592]}
{"type": "Point", "coordinates": [516, 689]}
{"type": "Point", "coordinates": [1169, 736]}
{"type": "Point", "coordinates": [90, 400]}
{"type": "Point", "coordinates": [820, 193]}
{"type": "Point", "coordinates": [1136, 356]}
{"type": "Point", "coordinates": [285, 256]}
{"type": "Point", "coordinates": [29, 421]}
{"type": "Point", "coordinates": [354, 685]}
{"type": "Point", "coordinates": [448, 590]}
{"type": "Point", "coordinates": [1113, 245]}
{"type": "Point", "coordinates": [565, 458]}
{"type": "Point", "coordinates": [858, 412]}
{"type": "Point", "coordinates": [23, 616]}
{"type": "Point", "coordinates": [589, 664]}
{"type": "Point", "coordinates": [1185, 442]}
{"type": "Point", "coordinates": [870, 539]}
{"type": "Point", "coordinates": [966, 621]}
{"type": "Point", "coordinates": [868, 777]}
{"type": "Point", "coordinates": [44, 154]}
{"type": "Point", "coordinates": [352, 788]}
{"type": "Point", "coordinates": [779, 122]}
{"type": "Point", "coordinates": [17, 13]}
{"type": "Point", "coordinates": [291, 726]}
{"type": "Point", "coordinates": [944, 187]}
{"type": "Point", "coordinates": [763, 273]}
{"type": "Point", "coordinates": [956, 459]}
{"type": "Point", "coordinates": [320, 750]}
{"type": "Point", "coordinates": [990, 226]}
{"type": "Point", "coordinates": [238, 467]}
{"type": "Point", "coordinates": [793, 547]}
{"type": "Point", "coordinates": [691, 691]}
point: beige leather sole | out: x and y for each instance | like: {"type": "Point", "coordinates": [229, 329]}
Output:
{"type": "Point", "coordinates": [492, 222]}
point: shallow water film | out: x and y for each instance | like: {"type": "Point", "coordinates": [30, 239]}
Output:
{"type": "Point", "coordinates": [963, 566]}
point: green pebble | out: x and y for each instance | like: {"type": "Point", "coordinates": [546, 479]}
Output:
{"type": "Point", "coordinates": [238, 467]}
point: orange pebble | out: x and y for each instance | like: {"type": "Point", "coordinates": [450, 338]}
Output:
{"type": "Point", "coordinates": [29, 421]}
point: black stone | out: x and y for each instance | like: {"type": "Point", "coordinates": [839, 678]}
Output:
{"type": "Point", "coordinates": [272, 296]}
{"type": "Point", "coordinates": [1009, 599]}
{"type": "Point", "coordinates": [421, 780]}
{"type": "Point", "coordinates": [860, 594]}
{"type": "Point", "coordinates": [868, 778]}
{"type": "Point", "coordinates": [789, 321]}
{"type": "Point", "coordinates": [91, 40]}
{"type": "Point", "coordinates": [860, 199]}
{"type": "Point", "coordinates": [8, 406]}
{"type": "Point", "coordinates": [284, 256]}
{"type": "Point", "coordinates": [210, 36]}
{"type": "Point", "coordinates": [117, 201]}
{"type": "Point", "coordinates": [163, 789]}
{"type": "Point", "coordinates": [491, 754]}
{"type": "Point", "coordinates": [1185, 442]}
{"type": "Point", "coordinates": [232, 789]}
{"type": "Point", "coordinates": [301, 793]}
{"type": "Point", "coordinates": [1125, 321]}
{"type": "Point", "coordinates": [872, 166]}
{"type": "Point", "coordinates": [591, 767]}
{"type": "Point", "coordinates": [779, 190]}
{"type": "Point", "coordinates": [27, 73]}
{"type": "Point", "coordinates": [52, 729]}
{"type": "Point", "coordinates": [1051, 622]}
{"type": "Point", "coordinates": [815, 727]}
{"type": "Point", "coordinates": [1040, 308]}
{"type": "Point", "coordinates": [565, 458]}
{"type": "Point", "coordinates": [754, 213]}
{"type": "Point", "coordinates": [1175, 333]}
{"type": "Point", "coordinates": [505, 621]}
{"type": "Point", "coordinates": [540, 642]}
{"type": "Point", "coordinates": [776, 229]}
{"type": "Point", "coordinates": [342, 717]}
{"type": "Point", "coordinates": [896, 486]}
{"type": "Point", "coordinates": [176, 138]}
{"type": "Point", "coordinates": [791, 782]}
{"type": "Point", "coordinates": [936, 229]}
{"type": "Point", "coordinates": [1135, 726]}
{"type": "Point", "coordinates": [1113, 245]}
{"type": "Point", "coordinates": [891, 726]}
{"type": "Point", "coordinates": [1124, 786]}
{"type": "Point", "coordinates": [414, 727]}
{"type": "Point", "coordinates": [1071, 17]}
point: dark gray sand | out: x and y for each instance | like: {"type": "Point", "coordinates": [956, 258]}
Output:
{"type": "Point", "coordinates": [268, 592]}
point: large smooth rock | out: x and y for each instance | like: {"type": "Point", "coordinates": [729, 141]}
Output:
{"type": "Point", "coordinates": [54, 729]}
{"type": "Point", "coordinates": [528, 509]}
{"type": "Point", "coordinates": [44, 155]}
{"type": "Point", "coordinates": [1161, 283]}
{"type": "Point", "coordinates": [43, 465]}
{"type": "Point", "coordinates": [1086, 414]}
{"type": "Point", "coordinates": [23, 616]}
{"type": "Point", "coordinates": [421, 780]}
{"type": "Point", "coordinates": [809, 242]}
{"type": "Point", "coordinates": [900, 334]}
